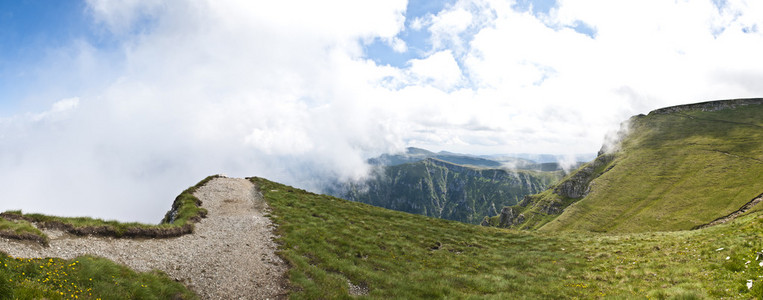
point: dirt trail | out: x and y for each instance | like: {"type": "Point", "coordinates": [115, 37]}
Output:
{"type": "Point", "coordinates": [231, 254]}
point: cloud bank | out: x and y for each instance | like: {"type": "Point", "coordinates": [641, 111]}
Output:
{"type": "Point", "coordinates": [286, 90]}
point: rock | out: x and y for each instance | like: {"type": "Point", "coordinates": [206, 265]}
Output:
{"type": "Point", "coordinates": [552, 208]}
{"type": "Point", "coordinates": [708, 106]}
{"type": "Point", "coordinates": [510, 217]}
{"type": "Point", "coordinates": [577, 186]}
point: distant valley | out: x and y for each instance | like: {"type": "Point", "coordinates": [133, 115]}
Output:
{"type": "Point", "coordinates": [451, 186]}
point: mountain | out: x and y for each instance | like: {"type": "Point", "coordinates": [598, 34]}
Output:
{"type": "Point", "coordinates": [676, 168]}
{"type": "Point", "coordinates": [413, 154]}
{"type": "Point", "coordinates": [442, 189]}
{"type": "Point", "coordinates": [521, 161]}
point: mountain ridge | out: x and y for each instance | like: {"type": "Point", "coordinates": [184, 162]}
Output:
{"type": "Point", "coordinates": [654, 177]}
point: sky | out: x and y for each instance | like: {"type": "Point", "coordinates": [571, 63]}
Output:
{"type": "Point", "coordinates": [110, 108]}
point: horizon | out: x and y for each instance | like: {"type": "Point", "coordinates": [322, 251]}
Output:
{"type": "Point", "coordinates": [111, 108]}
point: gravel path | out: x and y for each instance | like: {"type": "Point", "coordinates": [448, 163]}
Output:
{"type": "Point", "coordinates": [231, 254]}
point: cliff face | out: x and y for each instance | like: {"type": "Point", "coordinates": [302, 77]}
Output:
{"type": "Point", "coordinates": [440, 189]}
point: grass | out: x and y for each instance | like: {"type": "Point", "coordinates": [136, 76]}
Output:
{"type": "Point", "coordinates": [85, 277]}
{"type": "Point", "coordinates": [22, 230]}
{"type": "Point", "coordinates": [186, 210]}
{"type": "Point", "coordinates": [675, 172]}
{"type": "Point", "coordinates": [328, 242]}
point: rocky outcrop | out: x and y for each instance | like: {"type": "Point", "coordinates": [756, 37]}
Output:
{"type": "Point", "coordinates": [708, 106]}
{"type": "Point", "coordinates": [510, 217]}
{"type": "Point", "coordinates": [577, 185]}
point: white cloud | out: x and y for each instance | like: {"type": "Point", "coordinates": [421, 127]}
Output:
{"type": "Point", "coordinates": [241, 88]}
{"type": "Point", "coordinates": [439, 69]}
{"type": "Point", "coordinates": [60, 109]}
{"type": "Point", "coordinates": [447, 25]}
{"type": "Point", "coordinates": [264, 89]}
{"type": "Point", "coordinates": [398, 45]}
{"type": "Point", "coordinates": [122, 16]}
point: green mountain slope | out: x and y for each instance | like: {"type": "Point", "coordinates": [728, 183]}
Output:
{"type": "Point", "coordinates": [440, 189]}
{"type": "Point", "coordinates": [676, 168]}
{"type": "Point", "coordinates": [338, 248]}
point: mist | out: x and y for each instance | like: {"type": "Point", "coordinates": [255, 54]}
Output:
{"type": "Point", "coordinates": [115, 124]}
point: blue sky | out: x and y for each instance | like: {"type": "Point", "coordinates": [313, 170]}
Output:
{"type": "Point", "coordinates": [28, 29]}
{"type": "Point", "coordinates": [147, 97]}
{"type": "Point", "coordinates": [417, 40]}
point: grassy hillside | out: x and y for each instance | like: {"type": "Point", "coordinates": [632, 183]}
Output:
{"type": "Point", "coordinates": [677, 169]}
{"type": "Point", "coordinates": [333, 245]}
{"type": "Point", "coordinates": [441, 189]}
{"type": "Point", "coordinates": [674, 169]}
{"type": "Point", "coordinates": [535, 211]}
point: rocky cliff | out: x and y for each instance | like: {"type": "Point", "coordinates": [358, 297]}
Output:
{"type": "Point", "coordinates": [445, 190]}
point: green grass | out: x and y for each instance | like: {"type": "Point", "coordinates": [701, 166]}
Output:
{"type": "Point", "coordinates": [675, 171]}
{"type": "Point", "coordinates": [328, 241]}
{"type": "Point", "coordinates": [22, 230]}
{"type": "Point", "coordinates": [186, 210]}
{"type": "Point", "coordinates": [85, 277]}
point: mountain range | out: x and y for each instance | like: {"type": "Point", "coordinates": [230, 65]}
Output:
{"type": "Point", "coordinates": [451, 186]}
{"type": "Point", "coordinates": [442, 189]}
